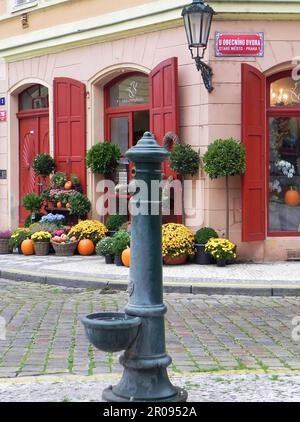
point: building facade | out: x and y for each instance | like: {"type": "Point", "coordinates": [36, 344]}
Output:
{"type": "Point", "coordinates": [74, 73]}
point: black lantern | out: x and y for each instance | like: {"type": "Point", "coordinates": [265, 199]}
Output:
{"type": "Point", "coordinates": [197, 21]}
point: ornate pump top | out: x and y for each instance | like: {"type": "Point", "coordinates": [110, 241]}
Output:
{"type": "Point", "coordinates": [147, 149]}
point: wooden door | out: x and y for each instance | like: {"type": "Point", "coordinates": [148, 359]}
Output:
{"type": "Point", "coordinates": [70, 127]}
{"type": "Point", "coordinates": [33, 140]}
{"type": "Point", "coordinates": [254, 139]}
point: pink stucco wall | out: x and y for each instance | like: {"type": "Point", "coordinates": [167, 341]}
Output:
{"type": "Point", "coordinates": [203, 117]}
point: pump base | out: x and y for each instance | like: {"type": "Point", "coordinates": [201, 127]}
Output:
{"type": "Point", "coordinates": [109, 396]}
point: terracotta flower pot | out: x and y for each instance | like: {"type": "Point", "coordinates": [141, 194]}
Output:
{"type": "Point", "coordinates": [175, 260]}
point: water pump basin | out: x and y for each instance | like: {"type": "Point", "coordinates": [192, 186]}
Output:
{"type": "Point", "coordinates": [111, 331]}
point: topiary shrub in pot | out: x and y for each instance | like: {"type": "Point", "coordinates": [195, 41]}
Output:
{"type": "Point", "coordinates": [105, 248]}
{"type": "Point", "coordinates": [224, 158]}
{"type": "Point", "coordinates": [121, 240]}
{"type": "Point", "coordinates": [102, 158]}
{"type": "Point", "coordinates": [33, 203]}
{"type": "Point", "coordinates": [202, 236]}
{"type": "Point", "coordinates": [114, 223]}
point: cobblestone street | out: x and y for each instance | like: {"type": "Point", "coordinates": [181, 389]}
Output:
{"type": "Point", "coordinates": [44, 334]}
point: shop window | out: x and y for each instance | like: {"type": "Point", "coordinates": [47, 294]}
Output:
{"type": "Point", "coordinates": [34, 97]}
{"type": "Point", "coordinates": [129, 91]}
{"type": "Point", "coordinates": [285, 92]}
{"type": "Point", "coordinates": [283, 125]}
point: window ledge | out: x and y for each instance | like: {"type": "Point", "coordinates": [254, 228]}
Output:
{"type": "Point", "coordinates": [22, 7]}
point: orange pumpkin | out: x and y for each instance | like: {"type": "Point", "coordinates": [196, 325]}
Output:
{"type": "Point", "coordinates": [59, 204]}
{"type": "Point", "coordinates": [86, 247]}
{"type": "Point", "coordinates": [68, 185]}
{"type": "Point", "coordinates": [292, 198]}
{"type": "Point", "coordinates": [27, 247]}
{"type": "Point", "coordinates": [126, 257]}
{"type": "Point", "coordinates": [68, 205]}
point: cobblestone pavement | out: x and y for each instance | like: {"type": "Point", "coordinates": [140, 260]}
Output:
{"type": "Point", "coordinates": [202, 388]}
{"type": "Point", "coordinates": [204, 333]}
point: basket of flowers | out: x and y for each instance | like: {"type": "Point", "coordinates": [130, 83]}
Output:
{"type": "Point", "coordinates": [4, 242]}
{"type": "Point", "coordinates": [222, 250]}
{"type": "Point", "coordinates": [89, 229]}
{"type": "Point", "coordinates": [178, 242]}
{"type": "Point", "coordinates": [64, 245]}
{"type": "Point", "coordinates": [41, 242]}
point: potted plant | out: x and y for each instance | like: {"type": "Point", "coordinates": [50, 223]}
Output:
{"type": "Point", "coordinates": [202, 236]}
{"type": "Point", "coordinates": [58, 180]}
{"type": "Point", "coordinates": [4, 242]}
{"type": "Point", "coordinates": [178, 242]}
{"type": "Point", "coordinates": [105, 248]}
{"type": "Point", "coordinates": [80, 205]}
{"type": "Point", "coordinates": [43, 165]}
{"type": "Point", "coordinates": [33, 203]}
{"type": "Point", "coordinates": [222, 250]}
{"type": "Point", "coordinates": [17, 238]}
{"type": "Point", "coordinates": [89, 229]}
{"type": "Point", "coordinates": [114, 222]}
{"type": "Point", "coordinates": [184, 161]}
{"type": "Point", "coordinates": [224, 158]}
{"type": "Point", "coordinates": [102, 158]}
{"type": "Point", "coordinates": [121, 240]}
{"type": "Point", "coordinates": [41, 242]}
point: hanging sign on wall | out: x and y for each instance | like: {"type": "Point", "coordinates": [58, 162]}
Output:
{"type": "Point", "coordinates": [2, 101]}
{"type": "Point", "coordinates": [239, 44]}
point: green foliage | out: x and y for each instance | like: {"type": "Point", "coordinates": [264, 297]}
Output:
{"type": "Point", "coordinates": [103, 157]}
{"type": "Point", "coordinates": [203, 235]}
{"type": "Point", "coordinates": [114, 222]}
{"type": "Point", "coordinates": [121, 240]}
{"type": "Point", "coordinates": [75, 180]}
{"type": "Point", "coordinates": [105, 247]}
{"type": "Point", "coordinates": [58, 180]}
{"type": "Point", "coordinates": [32, 202]}
{"type": "Point", "coordinates": [18, 236]}
{"type": "Point", "coordinates": [43, 165]}
{"type": "Point", "coordinates": [30, 220]}
{"type": "Point", "coordinates": [224, 157]}
{"type": "Point", "coordinates": [80, 205]}
{"type": "Point", "coordinates": [184, 160]}
{"type": "Point", "coordinates": [44, 226]}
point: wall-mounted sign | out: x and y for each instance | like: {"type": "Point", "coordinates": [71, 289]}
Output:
{"type": "Point", "coordinates": [3, 174]}
{"type": "Point", "coordinates": [239, 44]}
{"type": "Point", "coordinates": [3, 116]}
{"type": "Point", "coordinates": [2, 101]}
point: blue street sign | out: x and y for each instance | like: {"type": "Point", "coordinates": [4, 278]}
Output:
{"type": "Point", "coordinates": [2, 101]}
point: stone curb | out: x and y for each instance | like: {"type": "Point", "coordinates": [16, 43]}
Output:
{"type": "Point", "coordinates": [200, 287]}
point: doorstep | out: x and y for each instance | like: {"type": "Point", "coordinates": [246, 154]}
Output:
{"type": "Point", "coordinates": [255, 279]}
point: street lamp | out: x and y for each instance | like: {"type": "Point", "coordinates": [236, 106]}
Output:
{"type": "Point", "coordinates": [197, 18]}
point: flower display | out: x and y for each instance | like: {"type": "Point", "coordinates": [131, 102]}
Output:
{"type": "Point", "coordinates": [18, 236]}
{"type": "Point", "coordinates": [41, 237]}
{"type": "Point", "coordinates": [177, 240]}
{"type": "Point", "coordinates": [5, 234]}
{"type": "Point", "coordinates": [53, 218]}
{"type": "Point", "coordinates": [221, 249]}
{"type": "Point", "coordinates": [286, 168]}
{"type": "Point", "coordinates": [275, 186]}
{"type": "Point", "coordinates": [89, 229]}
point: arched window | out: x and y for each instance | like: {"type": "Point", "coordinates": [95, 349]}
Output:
{"type": "Point", "coordinates": [34, 97]}
{"type": "Point", "coordinates": [283, 124]}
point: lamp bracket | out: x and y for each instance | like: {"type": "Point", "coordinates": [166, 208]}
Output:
{"type": "Point", "coordinates": [206, 72]}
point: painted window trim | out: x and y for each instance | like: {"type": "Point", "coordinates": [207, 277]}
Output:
{"type": "Point", "coordinates": [282, 111]}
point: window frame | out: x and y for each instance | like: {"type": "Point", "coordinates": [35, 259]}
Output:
{"type": "Point", "coordinates": [276, 111]}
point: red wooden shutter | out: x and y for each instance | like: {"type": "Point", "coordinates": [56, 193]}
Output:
{"type": "Point", "coordinates": [254, 138]}
{"type": "Point", "coordinates": [70, 127]}
{"type": "Point", "coordinates": [163, 82]}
